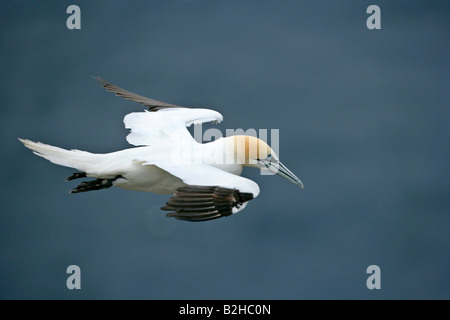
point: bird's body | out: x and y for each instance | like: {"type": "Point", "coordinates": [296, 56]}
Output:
{"type": "Point", "coordinates": [204, 178]}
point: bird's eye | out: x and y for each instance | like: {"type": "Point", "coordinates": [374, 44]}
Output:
{"type": "Point", "coordinates": [269, 156]}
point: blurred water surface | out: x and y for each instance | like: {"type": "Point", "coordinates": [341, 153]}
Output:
{"type": "Point", "coordinates": [364, 123]}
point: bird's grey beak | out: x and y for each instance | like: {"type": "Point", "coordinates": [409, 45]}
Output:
{"type": "Point", "coordinates": [279, 169]}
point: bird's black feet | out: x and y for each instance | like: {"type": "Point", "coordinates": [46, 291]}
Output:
{"type": "Point", "coordinates": [77, 175]}
{"type": "Point", "coordinates": [92, 185]}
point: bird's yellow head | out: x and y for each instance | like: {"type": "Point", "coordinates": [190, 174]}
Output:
{"type": "Point", "coordinates": [250, 151]}
{"type": "Point", "coordinates": [247, 150]}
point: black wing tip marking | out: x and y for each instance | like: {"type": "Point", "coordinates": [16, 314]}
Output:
{"type": "Point", "coordinates": [151, 104]}
{"type": "Point", "coordinates": [203, 203]}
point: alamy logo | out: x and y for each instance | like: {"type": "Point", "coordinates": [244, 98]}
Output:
{"type": "Point", "coordinates": [74, 280]}
{"type": "Point", "coordinates": [236, 152]}
{"type": "Point", "coordinates": [74, 20]}
{"type": "Point", "coordinates": [374, 21]}
{"type": "Point", "coordinates": [374, 280]}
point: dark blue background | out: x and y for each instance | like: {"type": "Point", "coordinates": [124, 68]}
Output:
{"type": "Point", "coordinates": [363, 118]}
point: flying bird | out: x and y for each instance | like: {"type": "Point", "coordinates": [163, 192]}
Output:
{"type": "Point", "coordinates": [204, 178]}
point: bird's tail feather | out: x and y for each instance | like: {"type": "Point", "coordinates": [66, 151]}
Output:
{"type": "Point", "coordinates": [81, 160]}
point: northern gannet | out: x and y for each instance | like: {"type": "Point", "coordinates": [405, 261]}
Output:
{"type": "Point", "coordinates": [204, 178]}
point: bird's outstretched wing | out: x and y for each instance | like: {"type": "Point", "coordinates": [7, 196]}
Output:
{"type": "Point", "coordinates": [201, 203]}
{"type": "Point", "coordinates": [166, 126]}
{"type": "Point", "coordinates": [209, 192]}
{"type": "Point", "coordinates": [153, 105]}
{"type": "Point", "coordinates": [166, 122]}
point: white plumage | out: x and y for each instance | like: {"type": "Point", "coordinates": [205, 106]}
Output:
{"type": "Point", "coordinates": [204, 178]}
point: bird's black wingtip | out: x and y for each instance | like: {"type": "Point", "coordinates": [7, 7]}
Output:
{"type": "Point", "coordinates": [99, 80]}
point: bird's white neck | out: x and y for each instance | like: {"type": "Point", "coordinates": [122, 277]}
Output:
{"type": "Point", "coordinates": [219, 154]}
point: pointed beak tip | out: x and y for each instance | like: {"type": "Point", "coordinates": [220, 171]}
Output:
{"type": "Point", "coordinates": [284, 172]}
